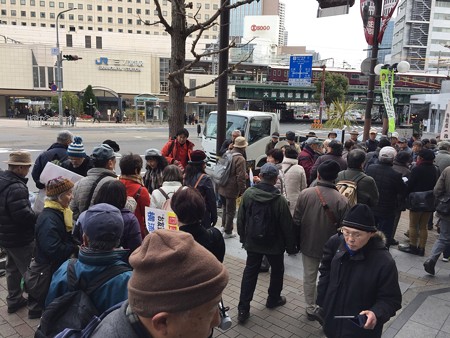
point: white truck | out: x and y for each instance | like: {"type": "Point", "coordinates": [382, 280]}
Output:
{"type": "Point", "coordinates": [256, 127]}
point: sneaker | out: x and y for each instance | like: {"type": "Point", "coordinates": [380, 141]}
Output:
{"type": "Point", "coordinates": [232, 235]}
{"type": "Point", "coordinates": [243, 316]}
{"type": "Point", "coordinates": [280, 302]}
{"type": "Point", "coordinates": [445, 259]}
{"type": "Point", "coordinates": [316, 315]}
{"type": "Point", "coordinates": [14, 308]}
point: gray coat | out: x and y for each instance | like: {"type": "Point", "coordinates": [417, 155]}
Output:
{"type": "Point", "coordinates": [442, 159]}
{"type": "Point", "coordinates": [443, 187]}
{"type": "Point", "coordinates": [83, 187]}
{"type": "Point", "coordinates": [314, 224]}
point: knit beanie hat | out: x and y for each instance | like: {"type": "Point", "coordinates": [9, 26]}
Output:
{"type": "Point", "coordinates": [58, 185]}
{"type": "Point", "coordinates": [76, 148]}
{"type": "Point", "coordinates": [173, 273]}
{"type": "Point", "coordinates": [329, 170]}
{"type": "Point", "coordinates": [360, 217]}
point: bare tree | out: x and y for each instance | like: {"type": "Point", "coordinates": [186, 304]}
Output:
{"type": "Point", "coordinates": [179, 30]}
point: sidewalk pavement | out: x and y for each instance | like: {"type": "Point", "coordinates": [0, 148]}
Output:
{"type": "Point", "coordinates": [425, 309]}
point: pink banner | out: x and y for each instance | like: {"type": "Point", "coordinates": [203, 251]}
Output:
{"type": "Point", "coordinates": [367, 8]}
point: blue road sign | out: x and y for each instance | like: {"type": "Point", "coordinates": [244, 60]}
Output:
{"type": "Point", "coordinates": [300, 70]}
{"type": "Point", "coordinates": [54, 88]}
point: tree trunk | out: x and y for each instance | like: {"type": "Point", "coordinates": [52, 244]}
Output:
{"type": "Point", "coordinates": [177, 59]}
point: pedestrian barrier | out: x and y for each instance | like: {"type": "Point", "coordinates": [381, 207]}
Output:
{"type": "Point", "coordinates": [38, 121]}
{"type": "Point", "coordinates": [317, 124]}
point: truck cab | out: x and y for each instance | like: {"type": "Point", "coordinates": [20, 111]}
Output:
{"type": "Point", "coordinates": [256, 127]}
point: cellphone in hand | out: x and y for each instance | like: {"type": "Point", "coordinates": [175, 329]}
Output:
{"type": "Point", "coordinates": [358, 320]}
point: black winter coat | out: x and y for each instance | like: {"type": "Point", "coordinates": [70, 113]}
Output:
{"type": "Point", "coordinates": [423, 177]}
{"type": "Point", "coordinates": [389, 184]}
{"type": "Point", "coordinates": [57, 151]}
{"type": "Point", "coordinates": [82, 169]}
{"type": "Point", "coordinates": [17, 219]}
{"type": "Point", "coordinates": [211, 238]}
{"type": "Point", "coordinates": [206, 188]}
{"type": "Point", "coordinates": [54, 244]}
{"type": "Point", "coordinates": [348, 285]}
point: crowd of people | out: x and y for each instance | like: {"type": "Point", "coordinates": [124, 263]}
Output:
{"type": "Point", "coordinates": [171, 282]}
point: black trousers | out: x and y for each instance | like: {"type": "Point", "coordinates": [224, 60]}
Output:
{"type": "Point", "coordinates": [250, 277]}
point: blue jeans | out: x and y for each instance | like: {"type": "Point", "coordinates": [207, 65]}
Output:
{"type": "Point", "coordinates": [442, 242]}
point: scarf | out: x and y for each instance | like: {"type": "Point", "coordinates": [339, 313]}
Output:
{"type": "Point", "coordinates": [68, 214]}
{"type": "Point", "coordinates": [135, 178]}
{"type": "Point", "coordinates": [422, 161]}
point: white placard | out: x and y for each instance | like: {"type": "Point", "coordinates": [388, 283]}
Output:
{"type": "Point", "coordinates": [445, 131]}
{"type": "Point", "coordinates": [52, 171]}
{"type": "Point", "coordinates": [160, 219]}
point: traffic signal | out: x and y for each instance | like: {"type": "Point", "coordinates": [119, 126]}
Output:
{"type": "Point", "coordinates": [335, 3]}
{"type": "Point", "coordinates": [71, 57]}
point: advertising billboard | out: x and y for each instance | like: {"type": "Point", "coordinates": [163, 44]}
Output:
{"type": "Point", "coordinates": [265, 27]}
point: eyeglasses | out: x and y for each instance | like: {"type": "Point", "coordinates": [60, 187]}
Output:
{"type": "Point", "coordinates": [354, 235]}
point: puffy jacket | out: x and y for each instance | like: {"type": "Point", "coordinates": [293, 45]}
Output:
{"type": "Point", "coordinates": [88, 266]}
{"type": "Point", "coordinates": [17, 219]}
{"type": "Point", "coordinates": [53, 243]}
{"type": "Point", "coordinates": [57, 151]}
{"type": "Point", "coordinates": [306, 159]}
{"type": "Point", "coordinates": [313, 223]}
{"type": "Point", "coordinates": [83, 188]}
{"type": "Point", "coordinates": [348, 285]}
{"type": "Point", "coordinates": [284, 239]}
{"type": "Point", "coordinates": [389, 184]}
{"type": "Point", "coordinates": [423, 177]}
{"type": "Point", "coordinates": [206, 188]}
{"type": "Point", "coordinates": [294, 180]}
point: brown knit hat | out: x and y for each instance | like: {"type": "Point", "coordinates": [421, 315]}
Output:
{"type": "Point", "coordinates": [58, 185]}
{"type": "Point", "coordinates": [173, 273]}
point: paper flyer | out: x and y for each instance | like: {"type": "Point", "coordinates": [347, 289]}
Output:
{"type": "Point", "coordinates": [160, 219]}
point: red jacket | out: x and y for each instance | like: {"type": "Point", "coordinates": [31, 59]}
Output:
{"type": "Point", "coordinates": [142, 201]}
{"type": "Point", "coordinates": [179, 152]}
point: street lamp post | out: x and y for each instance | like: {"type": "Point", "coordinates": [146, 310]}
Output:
{"type": "Point", "coordinates": [59, 82]}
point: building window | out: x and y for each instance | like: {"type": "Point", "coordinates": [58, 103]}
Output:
{"type": "Point", "coordinates": [80, 17]}
{"type": "Point", "coordinates": [69, 40]}
{"type": "Point", "coordinates": [98, 42]}
{"type": "Point", "coordinates": [41, 3]}
{"type": "Point", "coordinates": [215, 6]}
{"type": "Point", "coordinates": [71, 5]}
{"type": "Point", "coordinates": [120, 21]}
{"type": "Point", "coordinates": [80, 28]}
{"type": "Point", "coordinates": [90, 28]}
{"type": "Point", "coordinates": [13, 2]}
{"type": "Point", "coordinates": [138, 32]}
{"type": "Point", "coordinates": [138, 11]}
{"type": "Point", "coordinates": [129, 10]}
{"type": "Point", "coordinates": [33, 24]}
{"type": "Point", "coordinates": [99, 7]}
{"type": "Point", "coordinates": [3, 12]}
{"type": "Point", "coordinates": [130, 21]}
{"type": "Point", "coordinates": [89, 18]}
{"type": "Point", "coordinates": [13, 12]}
{"type": "Point", "coordinates": [61, 5]}
{"type": "Point", "coordinates": [51, 4]}
{"type": "Point", "coordinates": [71, 17]}
{"type": "Point", "coordinates": [110, 9]}
{"type": "Point", "coordinates": [130, 31]}
{"type": "Point", "coordinates": [22, 13]}
{"type": "Point", "coordinates": [100, 29]}
{"type": "Point", "coordinates": [52, 16]}
{"type": "Point", "coordinates": [80, 6]}
{"type": "Point", "coordinates": [110, 30]}
{"type": "Point", "coordinates": [42, 15]}
{"type": "Point", "coordinates": [87, 41]}
{"type": "Point", "coordinates": [22, 2]}
{"type": "Point", "coordinates": [52, 25]}
{"type": "Point", "coordinates": [89, 7]}
{"type": "Point", "coordinates": [110, 20]}
{"type": "Point", "coordinates": [24, 23]}
{"type": "Point", "coordinates": [165, 13]}
{"type": "Point", "coordinates": [206, 6]}
{"type": "Point", "coordinates": [199, 5]}
{"type": "Point", "coordinates": [120, 30]}
{"type": "Point", "coordinates": [206, 16]}
{"type": "Point", "coordinates": [71, 28]}
{"type": "Point", "coordinates": [14, 23]}
{"type": "Point", "coordinates": [50, 75]}
{"type": "Point", "coordinates": [147, 12]}
{"type": "Point", "coordinates": [119, 10]}
{"type": "Point", "coordinates": [99, 19]}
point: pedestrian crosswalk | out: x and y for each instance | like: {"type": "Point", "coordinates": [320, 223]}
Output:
{"type": "Point", "coordinates": [8, 150]}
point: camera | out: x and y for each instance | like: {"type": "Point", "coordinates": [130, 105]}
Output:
{"type": "Point", "coordinates": [225, 320]}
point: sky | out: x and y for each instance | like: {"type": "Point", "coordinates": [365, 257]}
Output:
{"type": "Point", "coordinates": [340, 37]}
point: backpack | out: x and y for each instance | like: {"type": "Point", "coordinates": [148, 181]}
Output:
{"type": "Point", "coordinates": [166, 204]}
{"type": "Point", "coordinates": [349, 189]}
{"type": "Point", "coordinates": [222, 170]}
{"type": "Point", "coordinates": [74, 309]}
{"type": "Point", "coordinates": [259, 227]}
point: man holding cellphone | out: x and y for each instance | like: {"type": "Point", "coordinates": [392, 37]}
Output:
{"type": "Point", "coordinates": [358, 288]}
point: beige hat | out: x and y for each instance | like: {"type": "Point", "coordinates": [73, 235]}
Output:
{"type": "Point", "coordinates": [19, 158]}
{"type": "Point", "coordinates": [394, 134]}
{"type": "Point", "coordinates": [240, 142]}
{"type": "Point", "coordinates": [373, 131]}
{"type": "Point", "coordinates": [354, 132]}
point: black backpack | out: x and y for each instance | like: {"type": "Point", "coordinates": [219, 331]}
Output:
{"type": "Point", "coordinates": [260, 228]}
{"type": "Point", "coordinates": [75, 308]}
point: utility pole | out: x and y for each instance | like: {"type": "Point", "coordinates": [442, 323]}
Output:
{"type": "Point", "coordinates": [373, 63]}
{"type": "Point", "coordinates": [59, 81]}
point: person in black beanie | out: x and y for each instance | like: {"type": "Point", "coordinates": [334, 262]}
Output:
{"type": "Point", "coordinates": [358, 277]}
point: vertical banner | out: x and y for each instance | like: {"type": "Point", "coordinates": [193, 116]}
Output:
{"type": "Point", "coordinates": [367, 8]}
{"type": "Point", "coordinates": [160, 219]}
{"type": "Point", "coordinates": [387, 88]}
{"type": "Point", "coordinates": [445, 131]}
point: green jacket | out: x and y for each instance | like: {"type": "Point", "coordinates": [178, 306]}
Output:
{"type": "Point", "coordinates": [284, 240]}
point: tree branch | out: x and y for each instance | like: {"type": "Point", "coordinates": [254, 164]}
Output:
{"type": "Point", "coordinates": [226, 71]}
{"type": "Point", "coordinates": [161, 17]}
{"type": "Point", "coordinates": [146, 22]}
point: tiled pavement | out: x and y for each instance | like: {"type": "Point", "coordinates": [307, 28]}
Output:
{"type": "Point", "coordinates": [425, 312]}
